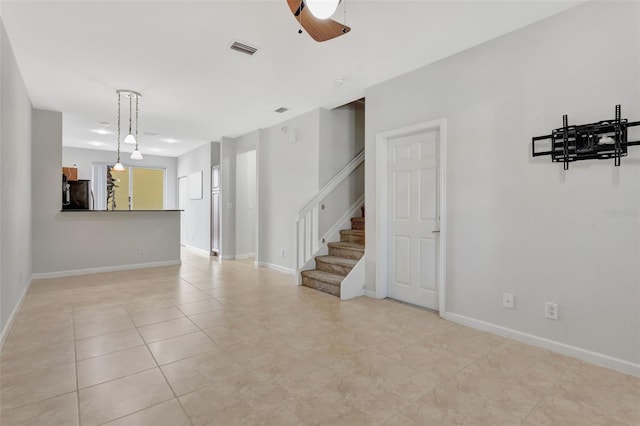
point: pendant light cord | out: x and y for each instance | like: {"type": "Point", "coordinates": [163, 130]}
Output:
{"type": "Point", "coordinates": [137, 97]}
{"type": "Point", "coordinates": [130, 96]}
{"type": "Point", "coordinates": [118, 94]}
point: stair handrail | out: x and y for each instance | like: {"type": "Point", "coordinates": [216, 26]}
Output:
{"type": "Point", "coordinates": [332, 184]}
{"type": "Point", "coordinates": [307, 240]}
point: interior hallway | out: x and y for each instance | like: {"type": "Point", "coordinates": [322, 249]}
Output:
{"type": "Point", "coordinates": [210, 343]}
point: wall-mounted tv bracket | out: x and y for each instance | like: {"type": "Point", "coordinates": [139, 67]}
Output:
{"type": "Point", "coordinates": [602, 140]}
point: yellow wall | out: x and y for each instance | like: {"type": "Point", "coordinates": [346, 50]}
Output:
{"type": "Point", "coordinates": [147, 189]}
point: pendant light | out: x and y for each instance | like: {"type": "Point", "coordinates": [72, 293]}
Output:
{"type": "Point", "coordinates": [118, 167]}
{"type": "Point", "coordinates": [322, 9]}
{"type": "Point", "coordinates": [130, 139]}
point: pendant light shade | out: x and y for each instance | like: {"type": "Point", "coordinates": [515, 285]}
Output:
{"type": "Point", "coordinates": [130, 139]}
{"type": "Point", "coordinates": [322, 9]}
{"type": "Point", "coordinates": [118, 167]}
{"type": "Point", "coordinates": [136, 155]}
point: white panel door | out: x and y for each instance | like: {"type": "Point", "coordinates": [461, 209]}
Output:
{"type": "Point", "coordinates": [413, 219]}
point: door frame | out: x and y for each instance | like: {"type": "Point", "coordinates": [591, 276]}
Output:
{"type": "Point", "coordinates": [382, 196]}
{"type": "Point", "coordinates": [218, 190]}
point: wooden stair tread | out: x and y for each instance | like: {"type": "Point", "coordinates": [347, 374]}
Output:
{"type": "Point", "coordinates": [358, 232]}
{"type": "Point", "coordinates": [325, 277]}
{"type": "Point", "coordinates": [343, 261]}
{"type": "Point", "coordinates": [342, 258]}
{"type": "Point", "coordinates": [347, 246]}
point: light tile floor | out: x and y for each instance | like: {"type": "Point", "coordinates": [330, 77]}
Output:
{"type": "Point", "coordinates": [224, 344]}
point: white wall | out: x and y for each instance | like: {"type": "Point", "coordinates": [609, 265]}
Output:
{"type": "Point", "coordinates": [15, 183]}
{"type": "Point", "coordinates": [341, 138]}
{"type": "Point", "coordinates": [197, 213]}
{"type": "Point", "coordinates": [246, 204]}
{"type": "Point", "coordinates": [229, 150]}
{"type": "Point", "coordinates": [522, 225]}
{"type": "Point", "coordinates": [65, 242]}
{"type": "Point", "coordinates": [288, 176]}
{"type": "Point", "coordinates": [289, 172]}
{"type": "Point", "coordinates": [215, 154]}
{"type": "Point", "coordinates": [227, 198]}
{"type": "Point", "coordinates": [85, 158]}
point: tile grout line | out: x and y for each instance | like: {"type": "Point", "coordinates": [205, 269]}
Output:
{"type": "Point", "coordinates": [75, 364]}
{"type": "Point", "coordinates": [163, 375]}
{"type": "Point", "coordinates": [138, 411]}
{"type": "Point", "coordinates": [546, 393]}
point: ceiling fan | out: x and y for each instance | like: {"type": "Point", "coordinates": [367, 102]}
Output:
{"type": "Point", "coordinates": [320, 29]}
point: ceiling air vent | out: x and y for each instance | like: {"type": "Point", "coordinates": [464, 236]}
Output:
{"type": "Point", "coordinates": [244, 48]}
{"type": "Point", "coordinates": [281, 110]}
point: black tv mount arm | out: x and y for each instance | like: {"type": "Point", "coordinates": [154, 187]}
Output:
{"type": "Point", "coordinates": [602, 140]}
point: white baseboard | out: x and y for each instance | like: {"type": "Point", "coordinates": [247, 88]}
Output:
{"type": "Point", "coordinates": [245, 256]}
{"type": "Point", "coordinates": [73, 272]}
{"type": "Point", "coordinates": [603, 360]}
{"type": "Point", "coordinates": [7, 327]}
{"type": "Point", "coordinates": [370, 293]}
{"type": "Point", "coordinates": [197, 250]}
{"type": "Point", "coordinates": [277, 267]}
{"type": "Point", "coordinates": [228, 257]}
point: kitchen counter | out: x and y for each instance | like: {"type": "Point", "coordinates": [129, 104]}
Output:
{"type": "Point", "coordinates": [119, 211]}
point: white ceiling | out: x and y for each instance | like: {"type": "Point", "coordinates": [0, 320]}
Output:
{"type": "Point", "coordinates": [74, 55]}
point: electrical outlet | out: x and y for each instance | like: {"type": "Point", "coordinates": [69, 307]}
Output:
{"type": "Point", "coordinates": [281, 252]}
{"type": "Point", "coordinates": [508, 300]}
{"type": "Point", "coordinates": [141, 251]}
{"type": "Point", "coordinates": [551, 311]}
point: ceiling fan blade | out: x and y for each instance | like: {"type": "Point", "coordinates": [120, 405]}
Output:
{"type": "Point", "coordinates": [318, 29]}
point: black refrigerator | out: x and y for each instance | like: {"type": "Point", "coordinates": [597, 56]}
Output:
{"type": "Point", "coordinates": [78, 195]}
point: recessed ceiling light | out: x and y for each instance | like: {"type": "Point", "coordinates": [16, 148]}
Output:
{"type": "Point", "coordinates": [105, 123]}
{"type": "Point", "coordinates": [281, 110]}
{"type": "Point", "coordinates": [338, 82]}
{"type": "Point", "coordinates": [170, 140]}
{"type": "Point", "coordinates": [102, 132]}
{"type": "Point", "coordinates": [156, 149]}
{"type": "Point", "coordinates": [96, 143]}
{"type": "Point", "coordinates": [154, 134]}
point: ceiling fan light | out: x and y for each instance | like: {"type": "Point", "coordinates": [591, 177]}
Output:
{"type": "Point", "coordinates": [136, 155]}
{"type": "Point", "coordinates": [118, 167]}
{"type": "Point", "coordinates": [130, 139]}
{"type": "Point", "coordinates": [322, 9]}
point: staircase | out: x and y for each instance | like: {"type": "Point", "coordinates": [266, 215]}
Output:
{"type": "Point", "coordinates": [343, 256]}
